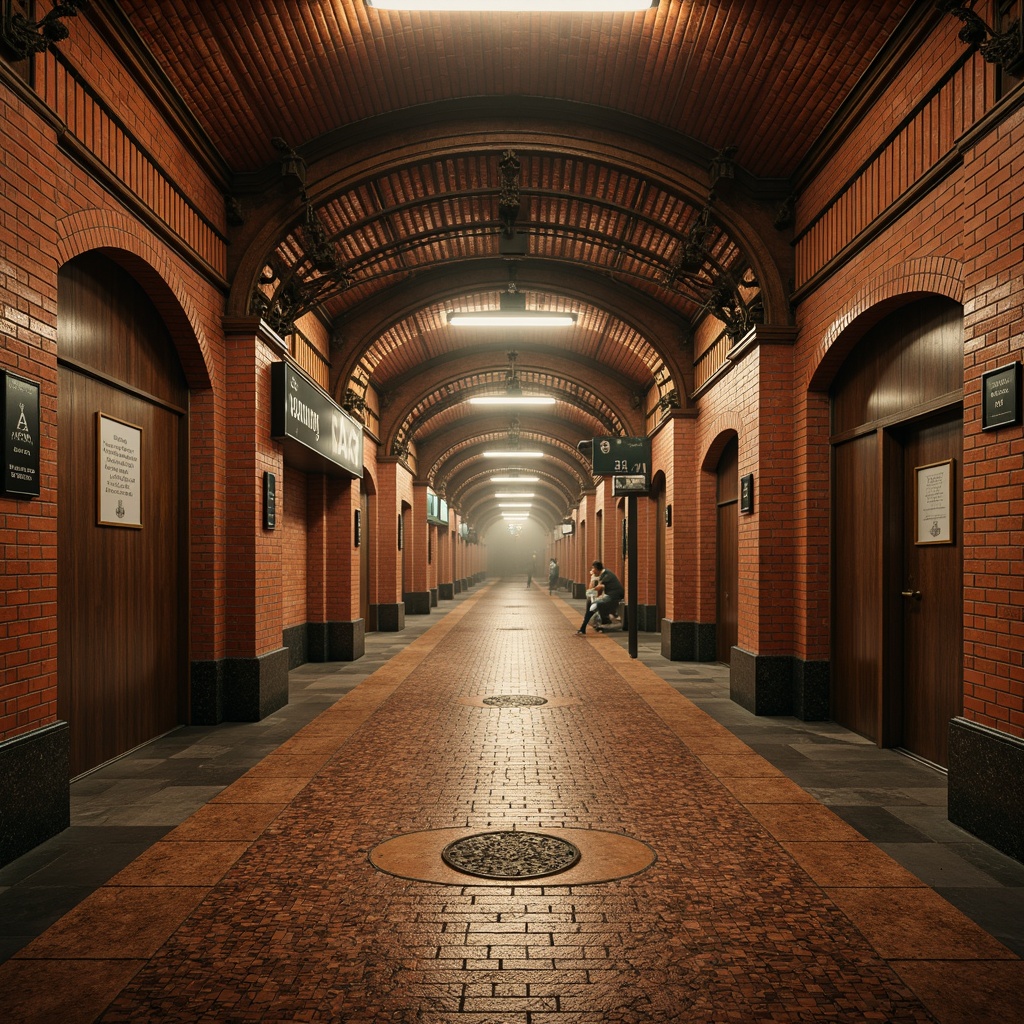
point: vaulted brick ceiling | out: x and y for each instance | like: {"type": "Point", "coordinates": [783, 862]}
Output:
{"type": "Point", "coordinates": [401, 122]}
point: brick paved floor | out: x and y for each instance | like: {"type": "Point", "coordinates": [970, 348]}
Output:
{"type": "Point", "coordinates": [761, 905]}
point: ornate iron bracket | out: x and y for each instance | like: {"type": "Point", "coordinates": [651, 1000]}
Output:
{"type": "Point", "coordinates": [508, 192]}
{"type": "Point", "coordinates": [1003, 48]}
{"type": "Point", "coordinates": [20, 37]}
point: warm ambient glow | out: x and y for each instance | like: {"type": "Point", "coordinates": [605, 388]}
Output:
{"type": "Point", "coordinates": [485, 6]}
{"type": "Point", "coordinates": [515, 504]}
{"type": "Point", "coordinates": [514, 494]}
{"type": "Point", "coordinates": [515, 479]}
{"type": "Point", "coordinates": [511, 400]}
{"type": "Point", "coordinates": [513, 517]}
{"type": "Point", "coordinates": [511, 318]}
{"type": "Point", "coordinates": [513, 455]}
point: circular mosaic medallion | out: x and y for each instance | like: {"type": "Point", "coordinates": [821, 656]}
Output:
{"type": "Point", "coordinates": [511, 855]}
{"type": "Point", "coordinates": [515, 700]}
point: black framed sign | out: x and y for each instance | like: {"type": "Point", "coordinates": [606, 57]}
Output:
{"type": "Point", "coordinates": [269, 501]}
{"type": "Point", "coordinates": [357, 530]}
{"type": "Point", "coordinates": [747, 494]}
{"type": "Point", "coordinates": [21, 436]}
{"type": "Point", "coordinates": [1000, 397]}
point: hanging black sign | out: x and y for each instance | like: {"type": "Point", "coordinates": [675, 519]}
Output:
{"type": "Point", "coordinates": [1001, 397]}
{"type": "Point", "coordinates": [325, 436]}
{"type": "Point", "coordinates": [21, 436]}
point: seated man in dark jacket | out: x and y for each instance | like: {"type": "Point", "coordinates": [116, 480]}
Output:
{"type": "Point", "coordinates": [610, 594]}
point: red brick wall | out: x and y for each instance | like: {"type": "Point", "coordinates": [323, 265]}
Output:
{"type": "Point", "coordinates": [294, 537]}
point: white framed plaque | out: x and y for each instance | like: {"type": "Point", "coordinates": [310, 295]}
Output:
{"type": "Point", "coordinates": [118, 472]}
{"type": "Point", "coordinates": [934, 503]}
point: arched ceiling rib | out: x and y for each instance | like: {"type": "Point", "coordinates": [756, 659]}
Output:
{"type": "Point", "coordinates": [378, 206]}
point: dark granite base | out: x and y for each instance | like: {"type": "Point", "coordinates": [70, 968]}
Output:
{"type": "Point", "coordinates": [302, 647]}
{"type": "Point", "coordinates": [986, 785]}
{"type": "Point", "coordinates": [647, 619]}
{"type": "Point", "coordinates": [433, 597]}
{"type": "Point", "coordinates": [446, 591]}
{"type": "Point", "coordinates": [35, 789]}
{"type": "Point", "coordinates": [390, 617]}
{"type": "Point", "coordinates": [579, 590]}
{"type": "Point", "coordinates": [779, 685]}
{"type": "Point", "coordinates": [417, 603]}
{"type": "Point", "coordinates": [761, 683]}
{"type": "Point", "coordinates": [346, 641]}
{"type": "Point", "coordinates": [688, 641]}
{"type": "Point", "coordinates": [239, 689]}
{"type": "Point", "coordinates": [457, 585]}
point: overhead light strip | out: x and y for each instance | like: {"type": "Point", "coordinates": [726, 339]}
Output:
{"type": "Point", "coordinates": [511, 400]}
{"type": "Point", "coordinates": [487, 6]}
{"type": "Point", "coordinates": [511, 318]}
{"type": "Point", "coordinates": [513, 455]}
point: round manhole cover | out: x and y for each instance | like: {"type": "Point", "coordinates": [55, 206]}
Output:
{"type": "Point", "coordinates": [514, 700]}
{"type": "Point", "coordinates": [511, 855]}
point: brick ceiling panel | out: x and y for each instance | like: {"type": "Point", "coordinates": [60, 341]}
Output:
{"type": "Point", "coordinates": [331, 77]}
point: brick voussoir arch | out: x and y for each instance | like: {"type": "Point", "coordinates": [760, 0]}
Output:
{"type": "Point", "coordinates": [926, 275]}
{"type": "Point", "coordinates": [122, 240]}
{"type": "Point", "coordinates": [717, 433]}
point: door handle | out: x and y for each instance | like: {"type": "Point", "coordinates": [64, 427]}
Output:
{"type": "Point", "coordinates": [915, 594]}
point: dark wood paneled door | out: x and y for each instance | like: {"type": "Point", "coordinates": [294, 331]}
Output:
{"type": "Point", "coordinates": [727, 540]}
{"type": "Point", "coordinates": [122, 599]}
{"type": "Point", "coordinates": [931, 597]}
{"type": "Point", "coordinates": [365, 541]}
{"type": "Point", "coordinates": [120, 635]}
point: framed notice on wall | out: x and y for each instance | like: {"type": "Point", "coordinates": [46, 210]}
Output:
{"type": "Point", "coordinates": [118, 472]}
{"type": "Point", "coordinates": [934, 503]}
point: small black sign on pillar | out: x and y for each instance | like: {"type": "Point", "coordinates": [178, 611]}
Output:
{"type": "Point", "coordinates": [21, 436]}
{"type": "Point", "coordinates": [269, 501]}
{"type": "Point", "coordinates": [1000, 397]}
{"type": "Point", "coordinates": [747, 494]}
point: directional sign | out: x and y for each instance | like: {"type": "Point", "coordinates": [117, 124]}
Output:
{"type": "Point", "coordinates": [631, 455]}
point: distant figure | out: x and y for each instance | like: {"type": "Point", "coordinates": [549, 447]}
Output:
{"type": "Point", "coordinates": [552, 575]}
{"type": "Point", "coordinates": [608, 593]}
{"type": "Point", "coordinates": [529, 571]}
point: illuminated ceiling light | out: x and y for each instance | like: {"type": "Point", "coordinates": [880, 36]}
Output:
{"type": "Point", "coordinates": [511, 318]}
{"type": "Point", "coordinates": [515, 479]}
{"type": "Point", "coordinates": [515, 517]}
{"type": "Point", "coordinates": [514, 494]}
{"type": "Point", "coordinates": [486, 6]}
{"type": "Point", "coordinates": [513, 453]}
{"type": "Point", "coordinates": [508, 399]}
{"type": "Point", "coordinates": [515, 504]}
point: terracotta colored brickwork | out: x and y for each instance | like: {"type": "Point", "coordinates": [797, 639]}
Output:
{"type": "Point", "coordinates": [301, 522]}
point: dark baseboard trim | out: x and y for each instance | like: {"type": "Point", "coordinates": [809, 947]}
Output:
{"type": "Point", "coordinates": [239, 689]}
{"type": "Point", "coordinates": [390, 617]}
{"type": "Point", "coordinates": [779, 685]}
{"type": "Point", "coordinates": [417, 602]}
{"type": "Point", "coordinates": [986, 785]}
{"type": "Point", "coordinates": [688, 641]}
{"type": "Point", "coordinates": [35, 780]}
{"type": "Point", "coordinates": [446, 591]}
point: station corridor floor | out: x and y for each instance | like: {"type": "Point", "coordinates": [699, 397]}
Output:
{"type": "Point", "coordinates": [652, 865]}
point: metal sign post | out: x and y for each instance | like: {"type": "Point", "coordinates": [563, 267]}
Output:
{"type": "Point", "coordinates": [631, 596]}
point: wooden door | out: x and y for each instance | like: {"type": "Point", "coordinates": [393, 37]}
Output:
{"type": "Point", "coordinates": [364, 558]}
{"type": "Point", "coordinates": [857, 638]}
{"type": "Point", "coordinates": [660, 547]}
{"type": "Point", "coordinates": [727, 540]}
{"type": "Point", "coordinates": [931, 592]}
{"type": "Point", "coordinates": [122, 612]}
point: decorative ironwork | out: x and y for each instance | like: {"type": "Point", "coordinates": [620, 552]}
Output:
{"type": "Point", "coordinates": [22, 37]}
{"type": "Point", "coordinates": [400, 448]}
{"type": "Point", "coordinates": [515, 700]}
{"type": "Point", "coordinates": [292, 165]}
{"type": "Point", "coordinates": [1003, 48]}
{"type": "Point", "coordinates": [354, 404]}
{"type": "Point", "coordinates": [508, 193]}
{"type": "Point", "coordinates": [512, 856]}
{"type": "Point", "coordinates": [669, 401]}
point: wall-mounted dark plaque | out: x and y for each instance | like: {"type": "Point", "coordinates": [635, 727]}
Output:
{"type": "Point", "coordinates": [21, 436]}
{"type": "Point", "coordinates": [747, 494]}
{"type": "Point", "coordinates": [269, 501]}
{"type": "Point", "coordinates": [358, 529]}
{"type": "Point", "coordinates": [1000, 397]}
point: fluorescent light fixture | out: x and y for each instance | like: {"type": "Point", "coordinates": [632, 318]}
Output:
{"type": "Point", "coordinates": [515, 504]}
{"type": "Point", "coordinates": [511, 400]}
{"type": "Point", "coordinates": [513, 455]}
{"type": "Point", "coordinates": [515, 479]}
{"type": "Point", "coordinates": [511, 317]}
{"type": "Point", "coordinates": [515, 517]}
{"type": "Point", "coordinates": [486, 6]}
{"type": "Point", "coordinates": [515, 494]}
